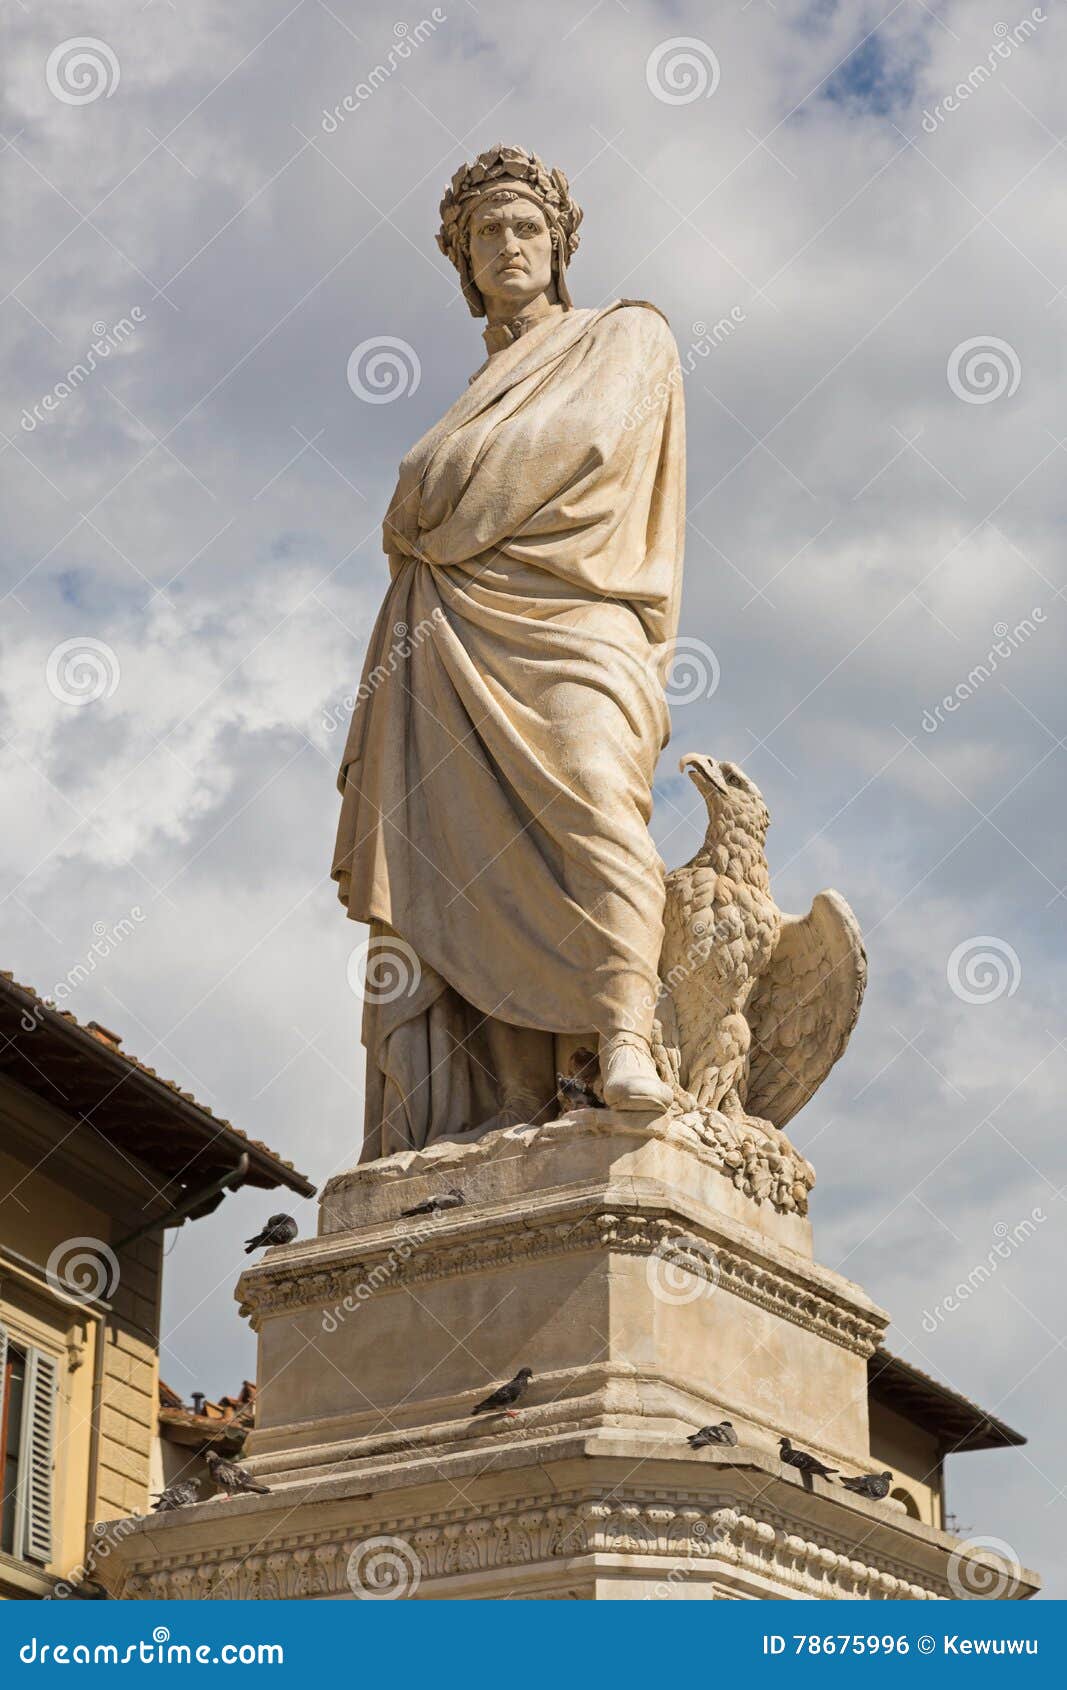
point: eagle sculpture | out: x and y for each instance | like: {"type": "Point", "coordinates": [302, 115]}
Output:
{"type": "Point", "coordinates": [757, 1005]}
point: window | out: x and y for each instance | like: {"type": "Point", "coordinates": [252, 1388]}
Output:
{"type": "Point", "coordinates": [911, 1507]}
{"type": "Point", "coordinates": [29, 1381]}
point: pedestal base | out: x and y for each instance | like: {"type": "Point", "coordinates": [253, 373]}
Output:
{"type": "Point", "coordinates": [649, 1294]}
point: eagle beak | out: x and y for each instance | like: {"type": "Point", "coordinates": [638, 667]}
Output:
{"type": "Point", "coordinates": [704, 770]}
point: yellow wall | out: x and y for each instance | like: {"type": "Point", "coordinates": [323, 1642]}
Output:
{"type": "Point", "coordinates": [45, 1206]}
{"type": "Point", "coordinates": [911, 1455]}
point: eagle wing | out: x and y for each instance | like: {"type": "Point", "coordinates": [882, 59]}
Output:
{"type": "Point", "coordinates": [804, 1007]}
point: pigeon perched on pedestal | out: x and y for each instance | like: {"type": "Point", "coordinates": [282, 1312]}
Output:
{"type": "Point", "coordinates": [803, 1461]}
{"type": "Point", "coordinates": [230, 1477]}
{"type": "Point", "coordinates": [436, 1205]}
{"type": "Point", "coordinates": [501, 1400]}
{"type": "Point", "coordinates": [280, 1229]}
{"type": "Point", "coordinates": [577, 1089]}
{"type": "Point", "coordinates": [723, 1433]}
{"type": "Point", "coordinates": [874, 1486]}
{"type": "Point", "coordinates": [182, 1494]}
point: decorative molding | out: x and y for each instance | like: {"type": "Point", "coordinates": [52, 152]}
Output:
{"type": "Point", "coordinates": [721, 1542]}
{"type": "Point", "coordinates": [382, 1264]}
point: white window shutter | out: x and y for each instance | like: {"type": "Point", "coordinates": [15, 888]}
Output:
{"type": "Point", "coordinates": [37, 1455]}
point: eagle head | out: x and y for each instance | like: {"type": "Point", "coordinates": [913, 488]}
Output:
{"type": "Point", "coordinates": [733, 800]}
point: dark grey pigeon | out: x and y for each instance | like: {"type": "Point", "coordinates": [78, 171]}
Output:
{"type": "Point", "coordinates": [182, 1494]}
{"type": "Point", "coordinates": [280, 1229]}
{"type": "Point", "coordinates": [436, 1205]}
{"type": "Point", "coordinates": [501, 1400]}
{"type": "Point", "coordinates": [723, 1433]}
{"type": "Point", "coordinates": [230, 1477]}
{"type": "Point", "coordinates": [573, 1094]}
{"type": "Point", "coordinates": [874, 1486]}
{"type": "Point", "coordinates": [804, 1462]}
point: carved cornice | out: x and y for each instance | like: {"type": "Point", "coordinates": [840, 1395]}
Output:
{"type": "Point", "coordinates": [671, 1530]}
{"type": "Point", "coordinates": [341, 1284]}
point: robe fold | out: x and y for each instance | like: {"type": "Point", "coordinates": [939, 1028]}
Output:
{"type": "Point", "coordinates": [496, 782]}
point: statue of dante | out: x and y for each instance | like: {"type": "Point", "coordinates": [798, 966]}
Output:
{"type": "Point", "coordinates": [497, 779]}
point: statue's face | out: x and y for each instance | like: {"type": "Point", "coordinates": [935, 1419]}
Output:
{"type": "Point", "coordinates": [511, 255]}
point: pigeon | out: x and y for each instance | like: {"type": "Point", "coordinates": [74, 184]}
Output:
{"type": "Point", "coordinates": [874, 1486]}
{"type": "Point", "coordinates": [182, 1494]}
{"type": "Point", "coordinates": [230, 1477]}
{"type": "Point", "coordinates": [437, 1205]}
{"type": "Point", "coordinates": [577, 1088]}
{"type": "Point", "coordinates": [280, 1229]}
{"type": "Point", "coordinates": [805, 1463]}
{"type": "Point", "coordinates": [723, 1433]}
{"type": "Point", "coordinates": [501, 1400]}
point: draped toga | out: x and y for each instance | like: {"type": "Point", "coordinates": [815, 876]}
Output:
{"type": "Point", "coordinates": [497, 778]}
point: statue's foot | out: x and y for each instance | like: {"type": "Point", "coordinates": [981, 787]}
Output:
{"type": "Point", "coordinates": [628, 1075]}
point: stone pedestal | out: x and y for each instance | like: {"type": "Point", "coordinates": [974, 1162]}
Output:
{"type": "Point", "coordinates": [649, 1291]}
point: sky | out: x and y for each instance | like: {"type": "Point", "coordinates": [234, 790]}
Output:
{"type": "Point", "coordinates": [871, 197]}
